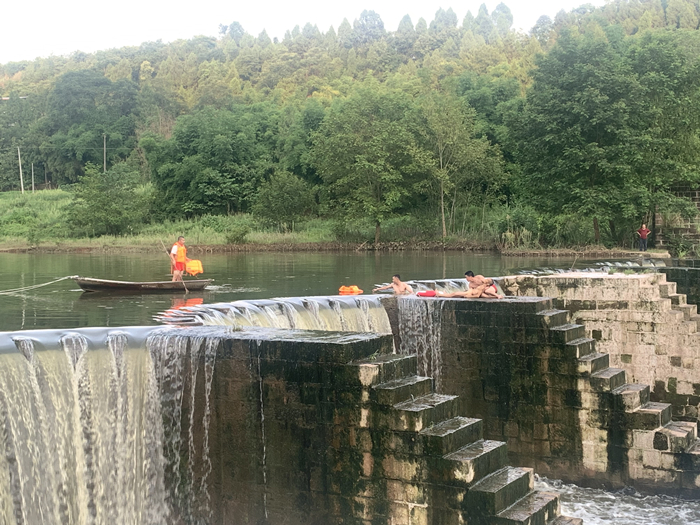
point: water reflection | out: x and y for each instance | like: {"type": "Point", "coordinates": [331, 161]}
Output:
{"type": "Point", "coordinates": [623, 507]}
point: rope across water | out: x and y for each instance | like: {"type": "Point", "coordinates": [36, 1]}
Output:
{"type": "Point", "coordinates": [35, 286]}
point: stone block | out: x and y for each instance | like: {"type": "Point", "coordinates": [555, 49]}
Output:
{"type": "Point", "coordinates": [451, 435]}
{"type": "Point", "coordinates": [500, 490]}
{"type": "Point", "coordinates": [397, 390]}
{"type": "Point", "coordinates": [607, 380]}
{"type": "Point", "coordinates": [471, 463]}
{"type": "Point", "coordinates": [651, 458]}
{"type": "Point", "coordinates": [419, 413]}
{"type": "Point", "coordinates": [399, 512]}
{"type": "Point", "coordinates": [404, 469]}
{"type": "Point", "coordinates": [649, 416]}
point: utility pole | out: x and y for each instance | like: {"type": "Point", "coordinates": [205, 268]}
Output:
{"type": "Point", "coordinates": [32, 177]}
{"type": "Point", "coordinates": [104, 150]}
{"type": "Point", "coordinates": [21, 180]}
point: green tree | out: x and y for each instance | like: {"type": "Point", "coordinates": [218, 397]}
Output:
{"type": "Point", "coordinates": [452, 154]}
{"type": "Point", "coordinates": [368, 28]}
{"type": "Point", "coordinates": [362, 153]}
{"type": "Point", "coordinates": [575, 130]}
{"type": "Point", "coordinates": [214, 161]}
{"type": "Point", "coordinates": [107, 203]}
{"type": "Point", "coordinates": [83, 108]}
{"type": "Point", "coordinates": [608, 129]}
{"type": "Point", "coordinates": [284, 199]}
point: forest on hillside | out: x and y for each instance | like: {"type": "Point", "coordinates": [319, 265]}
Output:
{"type": "Point", "coordinates": [573, 133]}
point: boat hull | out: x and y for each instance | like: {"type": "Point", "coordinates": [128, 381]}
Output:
{"type": "Point", "coordinates": [104, 285]}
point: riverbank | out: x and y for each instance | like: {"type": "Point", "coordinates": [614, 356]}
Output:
{"type": "Point", "coordinates": [138, 244]}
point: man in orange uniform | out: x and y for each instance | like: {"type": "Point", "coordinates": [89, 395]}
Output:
{"type": "Point", "coordinates": [178, 257]}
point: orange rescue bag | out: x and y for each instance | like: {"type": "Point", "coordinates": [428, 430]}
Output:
{"type": "Point", "coordinates": [193, 267]}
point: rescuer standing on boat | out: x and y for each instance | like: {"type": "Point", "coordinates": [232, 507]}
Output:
{"type": "Point", "coordinates": [178, 257]}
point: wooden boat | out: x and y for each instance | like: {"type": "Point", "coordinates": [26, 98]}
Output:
{"type": "Point", "coordinates": [104, 285]}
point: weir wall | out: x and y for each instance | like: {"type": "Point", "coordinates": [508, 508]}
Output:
{"type": "Point", "coordinates": [321, 427]}
{"type": "Point", "coordinates": [639, 320]}
{"type": "Point", "coordinates": [541, 384]}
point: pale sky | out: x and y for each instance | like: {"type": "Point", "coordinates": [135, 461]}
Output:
{"type": "Point", "coordinates": [40, 28]}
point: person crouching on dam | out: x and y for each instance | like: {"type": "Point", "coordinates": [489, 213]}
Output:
{"type": "Point", "coordinates": [476, 281]}
{"type": "Point", "coordinates": [400, 287]}
{"type": "Point", "coordinates": [479, 286]}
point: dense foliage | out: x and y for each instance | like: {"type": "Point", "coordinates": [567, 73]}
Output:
{"type": "Point", "coordinates": [573, 133]}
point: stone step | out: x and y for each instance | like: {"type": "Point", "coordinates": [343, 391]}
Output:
{"type": "Point", "coordinates": [676, 436]}
{"type": "Point", "coordinates": [608, 379]}
{"type": "Point", "coordinates": [631, 396]}
{"type": "Point", "coordinates": [500, 490]}
{"type": "Point", "coordinates": [473, 462]}
{"type": "Point", "coordinates": [580, 347]}
{"type": "Point", "coordinates": [565, 520]}
{"type": "Point", "coordinates": [398, 390]}
{"type": "Point", "coordinates": [650, 416]}
{"type": "Point", "coordinates": [688, 327]}
{"type": "Point", "coordinates": [534, 509]}
{"type": "Point", "coordinates": [552, 318]}
{"type": "Point", "coordinates": [696, 319]}
{"type": "Point", "coordinates": [566, 333]}
{"type": "Point", "coordinates": [690, 311]}
{"type": "Point", "coordinates": [592, 363]}
{"type": "Point", "coordinates": [416, 414]}
{"type": "Point", "coordinates": [386, 367]}
{"type": "Point", "coordinates": [666, 289]}
{"type": "Point", "coordinates": [677, 298]}
{"type": "Point", "coordinates": [451, 435]}
{"type": "Point", "coordinates": [692, 457]}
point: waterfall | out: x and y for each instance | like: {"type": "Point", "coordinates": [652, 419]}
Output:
{"type": "Point", "coordinates": [98, 427]}
{"type": "Point", "coordinates": [334, 313]}
{"type": "Point", "coordinates": [420, 327]}
{"type": "Point", "coordinates": [180, 360]}
{"type": "Point", "coordinates": [262, 434]}
{"type": "Point", "coordinates": [77, 433]}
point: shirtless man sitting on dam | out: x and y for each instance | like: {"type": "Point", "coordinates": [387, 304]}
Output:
{"type": "Point", "coordinates": [479, 286]}
{"type": "Point", "coordinates": [478, 280]}
{"type": "Point", "coordinates": [400, 287]}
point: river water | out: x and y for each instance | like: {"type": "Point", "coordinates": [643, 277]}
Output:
{"type": "Point", "coordinates": [268, 275]}
{"type": "Point", "coordinates": [237, 276]}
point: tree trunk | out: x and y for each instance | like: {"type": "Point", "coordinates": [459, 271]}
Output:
{"type": "Point", "coordinates": [613, 230]}
{"type": "Point", "coordinates": [442, 208]}
{"type": "Point", "coordinates": [377, 230]}
{"type": "Point", "coordinates": [596, 229]}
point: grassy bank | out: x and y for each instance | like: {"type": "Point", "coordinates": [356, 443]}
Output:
{"type": "Point", "coordinates": [39, 222]}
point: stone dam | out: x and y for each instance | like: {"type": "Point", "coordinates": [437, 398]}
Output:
{"type": "Point", "coordinates": [358, 410]}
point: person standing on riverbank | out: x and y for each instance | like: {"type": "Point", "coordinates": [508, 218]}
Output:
{"type": "Point", "coordinates": [400, 287]}
{"type": "Point", "coordinates": [643, 233]}
{"type": "Point", "coordinates": [178, 258]}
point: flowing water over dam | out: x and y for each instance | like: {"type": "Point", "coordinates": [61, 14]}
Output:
{"type": "Point", "coordinates": [332, 313]}
{"type": "Point", "coordinates": [82, 435]}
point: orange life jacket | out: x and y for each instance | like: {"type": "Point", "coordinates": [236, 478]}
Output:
{"type": "Point", "coordinates": [181, 253]}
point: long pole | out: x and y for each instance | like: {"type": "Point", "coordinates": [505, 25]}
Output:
{"type": "Point", "coordinates": [32, 177]}
{"type": "Point", "coordinates": [104, 151]}
{"type": "Point", "coordinates": [21, 180]}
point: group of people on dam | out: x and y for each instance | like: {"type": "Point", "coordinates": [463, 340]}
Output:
{"type": "Point", "coordinates": [478, 286]}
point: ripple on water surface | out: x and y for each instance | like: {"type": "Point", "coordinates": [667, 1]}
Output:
{"type": "Point", "coordinates": [623, 507]}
